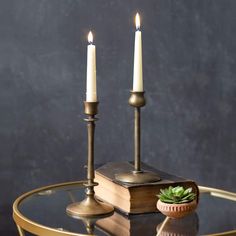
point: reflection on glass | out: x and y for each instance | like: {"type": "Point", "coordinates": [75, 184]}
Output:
{"type": "Point", "coordinates": [182, 227]}
{"type": "Point", "coordinates": [46, 192]}
{"type": "Point", "coordinates": [89, 222]}
{"type": "Point", "coordinates": [119, 224]}
{"type": "Point", "coordinates": [49, 208]}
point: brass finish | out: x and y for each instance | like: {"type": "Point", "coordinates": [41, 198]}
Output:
{"type": "Point", "coordinates": [228, 233]}
{"type": "Point", "coordinates": [20, 231]}
{"type": "Point", "coordinates": [37, 229]}
{"type": "Point", "coordinates": [90, 108]}
{"type": "Point", "coordinates": [90, 225]}
{"type": "Point", "coordinates": [137, 177]}
{"type": "Point", "coordinates": [187, 226]}
{"type": "Point", "coordinates": [137, 100]}
{"type": "Point", "coordinates": [28, 225]}
{"type": "Point", "coordinates": [162, 226]}
{"type": "Point", "coordinates": [89, 222]}
{"type": "Point", "coordinates": [218, 193]}
{"type": "Point", "coordinates": [137, 134]}
{"type": "Point", "coordinates": [90, 206]}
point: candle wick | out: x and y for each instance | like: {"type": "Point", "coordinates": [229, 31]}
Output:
{"type": "Point", "coordinates": [138, 29]}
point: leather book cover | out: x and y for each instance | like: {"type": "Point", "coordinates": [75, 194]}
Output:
{"type": "Point", "coordinates": [110, 169]}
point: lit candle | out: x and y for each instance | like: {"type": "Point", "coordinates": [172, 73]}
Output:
{"type": "Point", "coordinates": [91, 92]}
{"type": "Point", "coordinates": [138, 65]}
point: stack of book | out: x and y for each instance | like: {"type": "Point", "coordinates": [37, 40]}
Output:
{"type": "Point", "coordinates": [134, 198]}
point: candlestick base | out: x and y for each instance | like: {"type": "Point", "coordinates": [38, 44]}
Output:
{"type": "Point", "coordinates": [138, 177]}
{"type": "Point", "coordinates": [89, 207]}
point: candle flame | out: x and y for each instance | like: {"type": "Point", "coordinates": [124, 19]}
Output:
{"type": "Point", "coordinates": [90, 37]}
{"type": "Point", "coordinates": [137, 21]}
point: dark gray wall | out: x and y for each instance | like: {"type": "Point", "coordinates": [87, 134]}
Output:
{"type": "Point", "coordinates": [189, 74]}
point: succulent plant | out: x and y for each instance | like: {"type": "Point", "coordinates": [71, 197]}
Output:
{"type": "Point", "coordinates": [176, 195]}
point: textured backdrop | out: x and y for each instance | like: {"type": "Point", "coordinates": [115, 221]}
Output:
{"type": "Point", "coordinates": [188, 125]}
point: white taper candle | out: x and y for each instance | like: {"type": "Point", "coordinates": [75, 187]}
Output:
{"type": "Point", "coordinates": [91, 90]}
{"type": "Point", "coordinates": [138, 65]}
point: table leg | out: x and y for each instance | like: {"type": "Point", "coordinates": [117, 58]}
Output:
{"type": "Point", "coordinates": [20, 231]}
{"type": "Point", "coordinates": [162, 226]}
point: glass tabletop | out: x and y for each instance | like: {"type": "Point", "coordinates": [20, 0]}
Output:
{"type": "Point", "coordinates": [44, 210]}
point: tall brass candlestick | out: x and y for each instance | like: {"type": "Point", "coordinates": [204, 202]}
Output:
{"type": "Point", "coordinates": [137, 176]}
{"type": "Point", "coordinates": [90, 206]}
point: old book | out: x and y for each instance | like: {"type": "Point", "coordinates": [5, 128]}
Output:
{"type": "Point", "coordinates": [134, 198]}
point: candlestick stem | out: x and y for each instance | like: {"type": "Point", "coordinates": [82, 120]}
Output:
{"type": "Point", "coordinates": [137, 176]}
{"type": "Point", "coordinates": [91, 130]}
{"type": "Point", "coordinates": [90, 206]}
{"type": "Point", "coordinates": [137, 137]}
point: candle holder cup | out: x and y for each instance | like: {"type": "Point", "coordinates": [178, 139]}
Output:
{"type": "Point", "coordinates": [90, 206]}
{"type": "Point", "coordinates": [137, 176]}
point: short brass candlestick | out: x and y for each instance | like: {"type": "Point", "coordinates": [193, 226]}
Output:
{"type": "Point", "coordinates": [90, 206]}
{"type": "Point", "coordinates": [137, 176]}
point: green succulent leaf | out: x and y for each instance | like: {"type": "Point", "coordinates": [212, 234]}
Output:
{"type": "Point", "coordinates": [188, 190]}
{"type": "Point", "coordinates": [176, 195]}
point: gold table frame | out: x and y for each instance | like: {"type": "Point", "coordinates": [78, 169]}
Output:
{"type": "Point", "coordinates": [25, 224]}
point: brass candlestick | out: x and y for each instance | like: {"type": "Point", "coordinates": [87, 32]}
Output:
{"type": "Point", "coordinates": [90, 206]}
{"type": "Point", "coordinates": [137, 176]}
